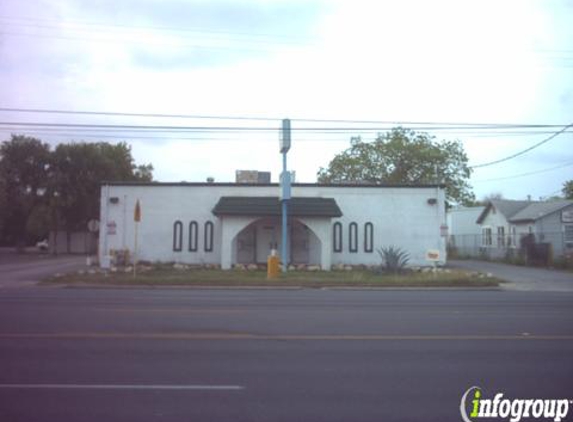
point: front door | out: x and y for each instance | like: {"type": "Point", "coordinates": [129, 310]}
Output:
{"type": "Point", "coordinates": [267, 240]}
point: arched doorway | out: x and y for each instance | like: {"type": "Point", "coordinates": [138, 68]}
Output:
{"type": "Point", "coordinates": [254, 243]}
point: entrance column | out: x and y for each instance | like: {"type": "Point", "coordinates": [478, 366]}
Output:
{"type": "Point", "coordinates": [322, 229]}
{"type": "Point", "coordinates": [230, 228]}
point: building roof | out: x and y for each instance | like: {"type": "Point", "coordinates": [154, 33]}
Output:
{"type": "Point", "coordinates": [300, 185]}
{"type": "Point", "coordinates": [507, 208]}
{"type": "Point", "coordinates": [538, 210]}
{"type": "Point", "coordinates": [271, 206]}
{"type": "Point", "coordinates": [521, 211]}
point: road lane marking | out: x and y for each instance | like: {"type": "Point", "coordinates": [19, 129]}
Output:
{"type": "Point", "coordinates": [121, 387]}
{"type": "Point", "coordinates": [282, 337]}
{"type": "Point", "coordinates": [173, 310]}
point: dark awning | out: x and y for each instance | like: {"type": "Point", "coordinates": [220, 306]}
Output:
{"type": "Point", "coordinates": [271, 206]}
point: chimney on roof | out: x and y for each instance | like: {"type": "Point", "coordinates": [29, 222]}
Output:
{"type": "Point", "coordinates": [210, 180]}
{"type": "Point", "coordinates": [252, 176]}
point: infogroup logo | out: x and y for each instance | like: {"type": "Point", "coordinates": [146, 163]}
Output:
{"type": "Point", "coordinates": [514, 409]}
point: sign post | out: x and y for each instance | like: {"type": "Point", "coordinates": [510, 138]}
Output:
{"type": "Point", "coordinates": [433, 256]}
{"type": "Point", "coordinates": [93, 227]}
{"type": "Point", "coordinates": [285, 190]}
{"type": "Point", "coordinates": [136, 219]}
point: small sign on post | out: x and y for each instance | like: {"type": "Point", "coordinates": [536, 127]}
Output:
{"type": "Point", "coordinates": [136, 219]}
{"type": "Point", "coordinates": [433, 255]}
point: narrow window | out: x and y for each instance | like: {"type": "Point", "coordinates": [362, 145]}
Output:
{"type": "Point", "coordinates": [208, 236]}
{"type": "Point", "coordinates": [501, 237]}
{"type": "Point", "coordinates": [193, 236]}
{"type": "Point", "coordinates": [568, 236]}
{"type": "Point", "coordinates": [368, 237]}
{"type": "Point", "coordinates": [486, 239]}
{"type": "Point", "coordinates": [177, 236]}
{"type": "Point", "coordinates": [337, 237]}
{"type": "Point", "coordinates": [353, 237]}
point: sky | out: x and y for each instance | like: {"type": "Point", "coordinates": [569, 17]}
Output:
{"type": "Point", "coordinates": [338, 69]}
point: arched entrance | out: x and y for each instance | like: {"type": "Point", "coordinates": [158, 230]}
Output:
{"type": "Point", "coordinates": [254, 243]}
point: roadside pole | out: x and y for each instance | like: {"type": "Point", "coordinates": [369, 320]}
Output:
{"type": "Point", "coordinates": [285, 191]}
{"type": "Point", "coordinates": [136, 219]}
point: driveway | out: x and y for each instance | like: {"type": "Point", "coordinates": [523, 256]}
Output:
{"type": "Point", "coordinates": [18, 270]}
{"type": "Point", "coordinates": [522, 278]}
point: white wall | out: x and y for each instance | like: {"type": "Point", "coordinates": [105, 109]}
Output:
{"type": "Point", "coordinates": [463, 220]}
{"type": "Point", "coordinates": [401, 217]}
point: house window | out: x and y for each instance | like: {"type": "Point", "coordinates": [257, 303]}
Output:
{"type": "Point", "coordinates": [368, 237]}
{"type": "Point", "coordinates": [337, 237]}
{"type": "Point", "coordinates": [501, 237]}
{"type": "Point", "coordinates": [208, 236]}
{"type": "Point", "coordinates": [353, 237]}
{"type": "Point", "coordinates": [486, 238]}
{"type": "Point", "coordinates": [568, 235]}
{"type": "Point", "coordinates": [193, 236]}
{"type": "Point", "coordinates": [512, 238]}
{"type": "Point", "coordinates": [177, 236]}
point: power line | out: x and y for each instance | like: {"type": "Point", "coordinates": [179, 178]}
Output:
{"type": "Point", "coordinates": [333, 135]}
{"type": "Point", "coordinates": [462, 125]}
{"type": "Point", "coordinates": [215, 129]}
{"type": "Point", "coordinates": [491, 163]}
{"type": "Point", "coordinates": [122, 27]}
{"type": "Point", "coordinates": [525, 174]}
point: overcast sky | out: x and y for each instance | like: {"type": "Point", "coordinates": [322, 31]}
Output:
{"type": "Point", "coordinates": [500, 61]}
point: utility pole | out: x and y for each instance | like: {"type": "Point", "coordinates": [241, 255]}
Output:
{"type": "Point", "coordinates": [285, 139]}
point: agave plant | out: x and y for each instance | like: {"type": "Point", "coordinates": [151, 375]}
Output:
{"type": "Point", "coordinates": [394, 259]}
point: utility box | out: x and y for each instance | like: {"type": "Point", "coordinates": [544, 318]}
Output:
{"type": "Point", "coordinates": [272, 266]}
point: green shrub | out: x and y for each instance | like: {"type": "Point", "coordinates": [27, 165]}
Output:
{"type": "Point", "coordinates": [394, 260]}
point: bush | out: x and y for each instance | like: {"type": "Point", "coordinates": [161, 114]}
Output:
{"type": "Point", "coordinates": [394, 260]}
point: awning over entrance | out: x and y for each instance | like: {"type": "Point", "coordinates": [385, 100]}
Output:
{"type": "Point", "coordinates": [270, 206]}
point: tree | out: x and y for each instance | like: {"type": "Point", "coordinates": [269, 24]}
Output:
{"type": "Point", "coordinates": [24, 164]}
{"type": "Point", "coordinates": [403, 156]}
{"type": "Point", "coordinates": [42, 189]}
{"type": "Point", "coordinates": [493, 196]}
{"type": "Point", "coordinates": [78, 172]}
{"type": "Point", "coordinates": [568, 189]}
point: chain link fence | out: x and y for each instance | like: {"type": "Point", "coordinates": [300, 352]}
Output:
{"type": "Point", "coordinates": [546, 249]}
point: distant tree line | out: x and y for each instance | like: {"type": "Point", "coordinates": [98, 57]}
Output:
{"type": "Point", "coordinates": [44, 189]}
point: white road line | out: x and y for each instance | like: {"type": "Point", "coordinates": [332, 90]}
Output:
{"type": "Point", "coordinates": [121, 387]}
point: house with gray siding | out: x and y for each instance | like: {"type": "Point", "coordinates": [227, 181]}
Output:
{"type": "Point", "coordinates": [503, 223]}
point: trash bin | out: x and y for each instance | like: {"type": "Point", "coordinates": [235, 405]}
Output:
{"type": "Point", "coordinates": [273, 265]}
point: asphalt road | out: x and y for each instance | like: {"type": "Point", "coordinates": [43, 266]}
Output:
{"type": "Point", "coordinates": [522, 278]}
{"type": "Point", "coordinates": [253, 355]}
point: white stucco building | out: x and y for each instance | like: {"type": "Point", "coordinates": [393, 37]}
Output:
{"type": "Point", "coordinates": [230, 223]}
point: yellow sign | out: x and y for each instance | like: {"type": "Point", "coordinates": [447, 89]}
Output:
{"type": "Point", "coordinates": [137, 212]}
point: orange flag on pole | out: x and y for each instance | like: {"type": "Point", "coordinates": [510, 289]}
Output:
{"type": "Point", "coordinates": [137, 212]}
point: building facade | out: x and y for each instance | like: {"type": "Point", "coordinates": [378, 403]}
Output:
{"type": "Point", "coordinates": [231, 223]}
{"type": "Point", "coordinates": [504, 223]}
{"type": "Point", "coordinates": [464, 232]}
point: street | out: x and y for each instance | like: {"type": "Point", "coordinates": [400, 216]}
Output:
{"type": "Point", "coordinates": [273, 355]}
